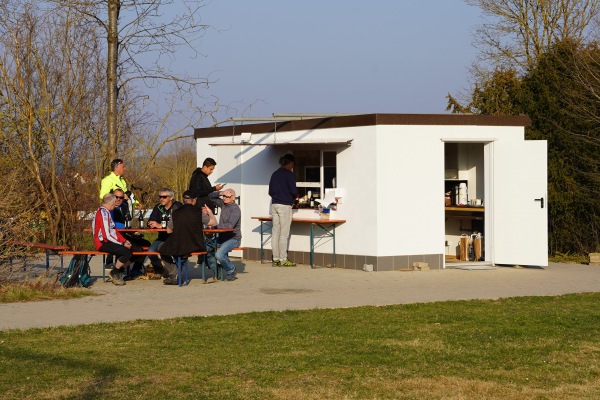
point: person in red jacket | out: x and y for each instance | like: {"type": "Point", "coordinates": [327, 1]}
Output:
{"type": "Point", "coordinates": [108, 240]}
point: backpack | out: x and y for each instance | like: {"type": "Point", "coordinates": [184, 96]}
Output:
{"type": "Point", "coordinates": [78, 272]}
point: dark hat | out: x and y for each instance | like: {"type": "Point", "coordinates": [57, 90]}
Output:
{"type": "Point", "coordinates": [189, 194]}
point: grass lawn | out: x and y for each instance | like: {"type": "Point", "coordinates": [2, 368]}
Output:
{"type": "Point", "coordinates": [516, 348]}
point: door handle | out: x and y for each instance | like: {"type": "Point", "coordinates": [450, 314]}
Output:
{"type": "Point", "coordinates": [541, 200]}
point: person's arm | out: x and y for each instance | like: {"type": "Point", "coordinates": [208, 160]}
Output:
{"type": "Point", "coordinates": [292, 186]}
{"type": "Point", "coordinates": [208, 217]}
{"type": "Point", "coordinates": [203, 187]}
{"type": "Point", "coordinates": [216, 198]}
{"type": "Point", "coordinates": [108, 233]}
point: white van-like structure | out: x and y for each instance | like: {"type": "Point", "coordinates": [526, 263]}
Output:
{"type": "Point", "coordinates": [397, 180]}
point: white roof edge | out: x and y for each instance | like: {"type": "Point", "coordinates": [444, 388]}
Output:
{"type": "Point", "coordinates": [286, 142]}
{"type": "Point", "coordinates": [468, 140]}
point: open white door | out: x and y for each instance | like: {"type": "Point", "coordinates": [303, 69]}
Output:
{"type": "Point", "coordinates": [519, 212]}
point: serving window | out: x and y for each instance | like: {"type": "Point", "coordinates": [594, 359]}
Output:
{"type": "Point", "coordinates": [315, 171]}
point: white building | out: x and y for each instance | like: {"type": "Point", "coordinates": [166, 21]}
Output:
{"type": "Point", "coordinates": [390, 173]}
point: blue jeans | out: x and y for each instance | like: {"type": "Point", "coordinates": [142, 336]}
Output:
{"type": "Point", "coordinates": [221, 255]}
{"type": "Point", "coordinates": [155, 260]}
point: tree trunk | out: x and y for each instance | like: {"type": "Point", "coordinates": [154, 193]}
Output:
{"type": "Point", "coordinates": [111, 78]}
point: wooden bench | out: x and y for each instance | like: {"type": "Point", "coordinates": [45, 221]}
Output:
{"type": "Point", "coordinates": [180, 262]}
{"type": "Point", "coordinates": [50, 249]}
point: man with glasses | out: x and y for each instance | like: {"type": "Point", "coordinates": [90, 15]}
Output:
{"type": "Point", "coordinates": [162, 211]}
{"type": "Point", "coordinates": [119, 214]}
{"type": "Point", "coordinates": [231, 217]}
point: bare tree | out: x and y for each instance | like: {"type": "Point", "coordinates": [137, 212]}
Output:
{"type": "Point", "coordinates": [49, 98]}
{"type": "Point", "coordinates": [133, 28]}
{"type": "Point", "coordinates": [517, 32]}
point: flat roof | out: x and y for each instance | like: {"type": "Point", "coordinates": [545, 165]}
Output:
{"type": "Point", "coordinates": [347, 121]}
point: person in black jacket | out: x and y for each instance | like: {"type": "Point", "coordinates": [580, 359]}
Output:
{"type": "Point", "coordinates": [162, 211]}
{"type": "Point", "coordinates": [187, 236]}
{"type": "Point", "coordinates": [200, 185]}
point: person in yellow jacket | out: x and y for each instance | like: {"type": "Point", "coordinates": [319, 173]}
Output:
{"type": "Point", "coordinates": [115, 180]}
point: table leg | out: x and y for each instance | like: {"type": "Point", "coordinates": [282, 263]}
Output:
{"type": "Point", "coordinates": [312, 245]}
{"type": "Point", "coordinates": [333, 237]}
{"type": "Point", "coordinates": [261, 242]}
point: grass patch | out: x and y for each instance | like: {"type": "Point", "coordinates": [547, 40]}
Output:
{"type": "Point", "coordinates": [41, 288]}
{"type": "Point", "coordinates": [516, 348]}
{"type": "Point", "coordinates": [569, 258]}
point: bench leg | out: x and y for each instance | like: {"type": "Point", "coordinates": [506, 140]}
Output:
{"type": "Point", "coordinates": [104, 267]}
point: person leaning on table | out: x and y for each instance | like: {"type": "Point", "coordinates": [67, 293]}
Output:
{"type": "Point", "coordinates": [108, 240]}
{"type": "Point", "coordinates": [283, 192]}
{"type": "Point", "coordinates": [167, 204]}
{"type": "Point", "coordinates": [187, 236]}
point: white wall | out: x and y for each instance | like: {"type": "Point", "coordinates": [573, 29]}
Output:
{"type": "Point", "coordinates": [392, 177]}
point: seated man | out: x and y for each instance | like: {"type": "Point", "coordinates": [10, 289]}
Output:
{"type": "Point", "coordinates": [108, 240]}
{"type": "Point", "coordinates": [165, 207]}
{"type": "Point", "coordinates": [186, 236]}
{"type": "Point", "coordinates": [120, 214]}
{"type": "Point", "coordinates": [231, 217]}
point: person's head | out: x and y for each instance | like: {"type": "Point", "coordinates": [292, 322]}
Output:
{"type": "Point", "coordinates": [117, 166]}
{"type": "Point", "coordinates": [228, 196]}
{"type": "Point", "coordinates": [287, 161]}
{"type": "Point", "coordinates": [119, 197]}
{"type": "Point", "coordinates": [189, 197]}
{"type": "Point", "coordinates": [208, 166]}
{"type": "Point", "coordinates": [166, 196]}
{"type": "Point", "coordinates": [108, 201]}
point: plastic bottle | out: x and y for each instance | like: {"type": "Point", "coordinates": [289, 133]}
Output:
{"type": "Point", "coordinates": [462, 194]}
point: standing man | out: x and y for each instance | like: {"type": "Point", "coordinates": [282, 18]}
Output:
{"type": "Point", "coordinates": [115, 180]}
{"type": "Point", "coordinates": [283, 192]}
{"type": "Point", "coordinates": [186, 236]}
{"type": "Point", "coordinates": [164, 209]}
{"type": "Point", "coordinates": [200, 184]}
{"type": "Point", "coordinates": [108, 240]}
{"type": "Point", "coordinates": [231, 217]}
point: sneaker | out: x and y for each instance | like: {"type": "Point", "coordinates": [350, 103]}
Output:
{"type": "Point", "coordinates": [231, 277]}
{"type": "Point", "coordinates": [170, 281]}
{"type": "Point", "coordinates": [276, 263]}
{"type": "Point", "coordinates": [115, 276]}
{"type": "Point", "coordinates": [288, 263]}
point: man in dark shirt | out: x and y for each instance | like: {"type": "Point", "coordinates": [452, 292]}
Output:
{"type": "Point", "coordinates": [186, 236]}
{"type": "Point", "coordinates": [200, 184]}
{"type": "Point", "coordinates": [283, 192]}
{"type": "Point", "coordinates": [163, 210]}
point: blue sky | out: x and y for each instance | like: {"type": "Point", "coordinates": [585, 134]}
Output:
{"type": "Point", "coordinates": [330, 56]}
